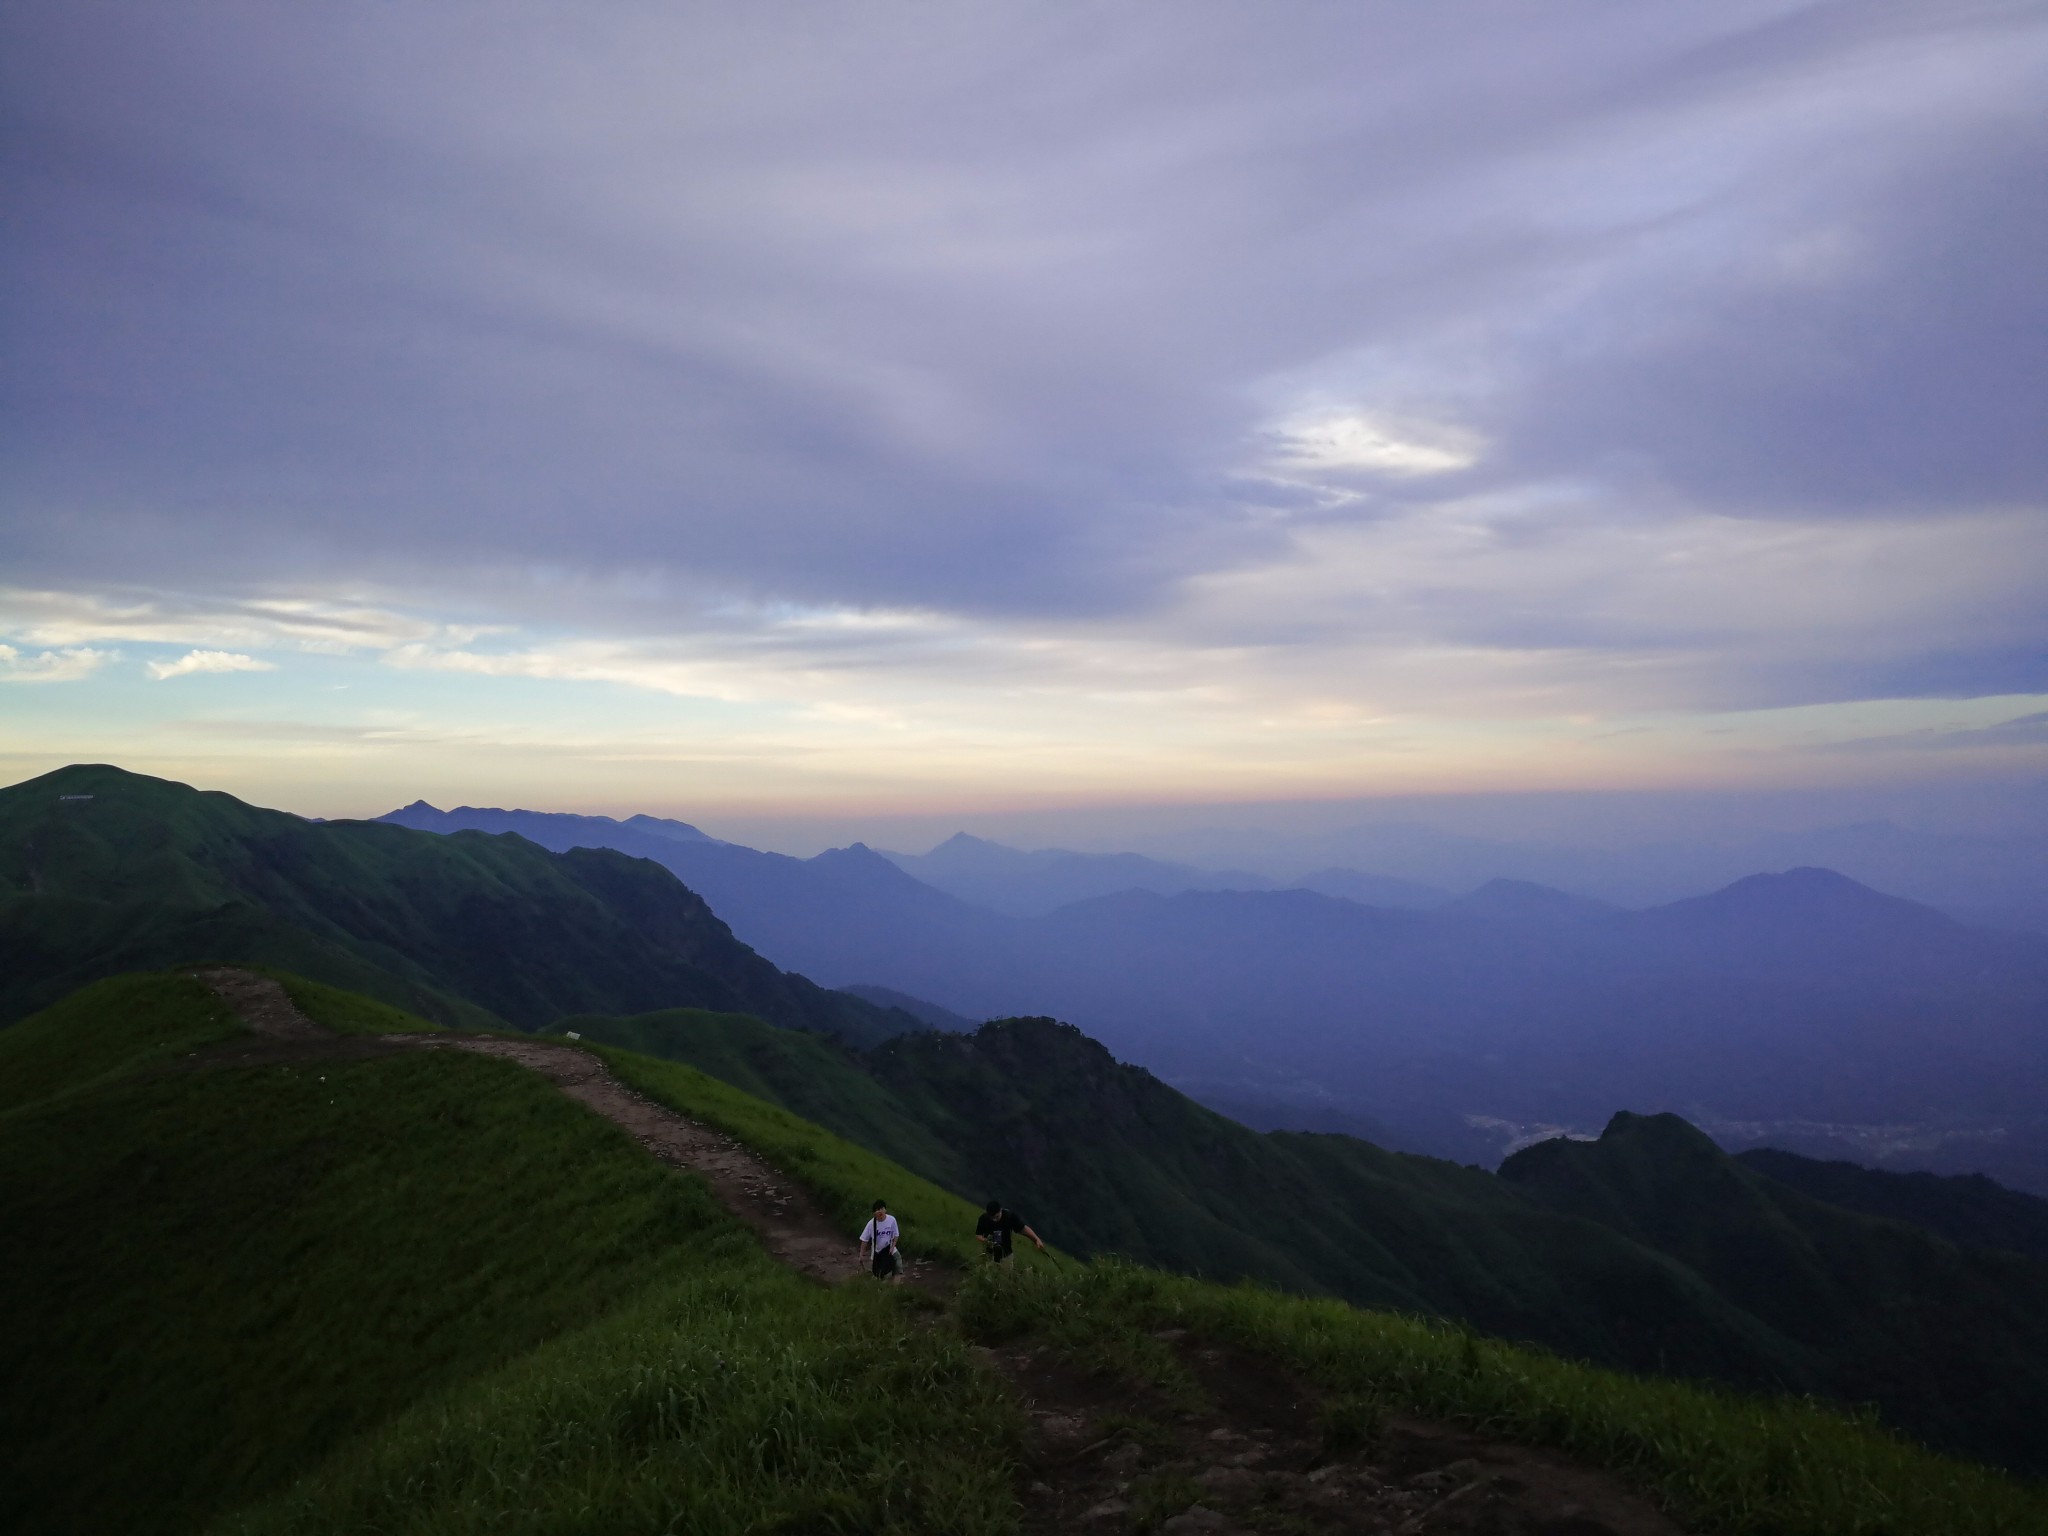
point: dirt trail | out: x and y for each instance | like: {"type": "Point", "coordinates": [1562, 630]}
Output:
{"type": "Point", "coordinates": [1102, 1456]}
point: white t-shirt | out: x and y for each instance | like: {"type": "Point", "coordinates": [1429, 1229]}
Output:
{"type": "Point", "coordinates": [882, 1235]}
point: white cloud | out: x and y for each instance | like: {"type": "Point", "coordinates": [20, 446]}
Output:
{"type": "Point", "coordinates": [324, 625]}
{"type": "Point", "coordinates": [1353, 440]}
{"type": "Point", "coordinates": [208, 661]}
{"type": "Point", "coordinates": [60, 666]}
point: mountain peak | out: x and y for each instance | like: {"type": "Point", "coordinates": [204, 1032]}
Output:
{"type": "Point", "coordinates": [963, 842]}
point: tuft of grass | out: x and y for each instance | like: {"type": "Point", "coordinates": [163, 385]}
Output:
{"type": "Point", "coordinates": [1724, 1463]}
{"type": "Point", "coordinates": [739, 1399]}
{"type": "Point", "coordinates": [1349, 1422]}
{"type": "Point", "coordinates": [1086, 1314]}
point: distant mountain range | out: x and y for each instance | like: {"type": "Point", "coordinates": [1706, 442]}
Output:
{"type": "Point", "coordinates": [1996, 881]}
{"type": "Point", "coordinates": [1800, 999]}
{"type": "Point", "coordinates": [1022, 884]}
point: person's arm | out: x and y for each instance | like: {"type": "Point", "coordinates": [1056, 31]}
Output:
{"type": "Point", "coordinates": [1026, 1230]}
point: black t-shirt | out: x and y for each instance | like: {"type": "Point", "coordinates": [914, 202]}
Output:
{"type": "Point", "coordinates": [998, 1229]}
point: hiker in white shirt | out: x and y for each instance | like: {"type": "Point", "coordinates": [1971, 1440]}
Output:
{"type": "Point", "coordinates": [878, 1244]}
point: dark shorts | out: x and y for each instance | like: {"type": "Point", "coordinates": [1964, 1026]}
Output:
{"type": "Point", "coordinates": [887, 1263]}
{"type": "Point", "coordinates": [997, 1255]}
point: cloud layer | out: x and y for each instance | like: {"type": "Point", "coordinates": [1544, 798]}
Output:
{"type": "Point", "coordinates": [1173, 364]}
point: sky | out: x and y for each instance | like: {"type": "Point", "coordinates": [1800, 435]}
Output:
{"type": "Point", "coordinates": [798, 413]}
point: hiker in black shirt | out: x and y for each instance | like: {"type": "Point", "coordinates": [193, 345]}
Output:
{"type": "Point", "coordinates": [994, 1230]}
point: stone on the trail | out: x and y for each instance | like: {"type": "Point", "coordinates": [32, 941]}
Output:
{"type": "Point", "coordinates": [1039, 1490]}
{"type": "Point", "coordinates": [1227, 1480]}
{"type": "Point", "coordinates": [1199, 1520]}
{"type": "Point", "coordinates": [1108, 1509]}
{"type": "Point", "coordinates": [1124, 1458]}
{"type": "Point", "coordinates": [1225, 1433]}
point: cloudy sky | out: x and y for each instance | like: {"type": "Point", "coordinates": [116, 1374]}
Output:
{"type": "Point", "coordinates": [807, 408]}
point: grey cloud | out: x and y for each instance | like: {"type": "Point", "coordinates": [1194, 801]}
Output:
{"type": "Point", "coordinates": [980, 312]}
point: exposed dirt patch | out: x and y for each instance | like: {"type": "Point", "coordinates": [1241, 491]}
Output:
{"type": "Point", "coordinates": [263, 1005]}
{"type": "Point", "coordinates": [1250, 1456]}
{"type": "Point", "coordinates": [1255, 1457]}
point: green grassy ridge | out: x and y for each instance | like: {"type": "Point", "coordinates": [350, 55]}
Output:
{"type": "Point", "coordinates": [1106, 1159]}
{"type": "Point", "coordinates": [1952, 1341]}
{"type": "Point", "coordinates": [221, 1281]}
{"type": "Point", "coordinates": [1724, 1463]}
{"type": "Point", "coordinates": [1729, 1464]}
{"type": "Point", "coordinates": [114, 1027]}
{"type": "Point", "coordinates": [103, 871]}
{"type": "Point", "coordinates": [1969, 1210]}
{"type": "Point", "coordinates": [501, 1315]}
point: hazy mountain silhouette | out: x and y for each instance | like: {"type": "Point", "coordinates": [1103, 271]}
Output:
{"type": "Point", "coordinates": [1999, 881]}
{"type": "Point", "coordinates": [1372, 890]}
{"type": "Point", "coordinates": [1796, 997]}
{"type": "Point", "coordinates": [1025, 884]}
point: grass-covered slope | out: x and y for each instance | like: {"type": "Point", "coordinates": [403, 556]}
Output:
{"type": "Point", "coordinates": [1953, 1342]}
{"type": "Point", "coordinates": [426, 1293]}
{"type": "Point", "coordinates": [1724, 1464]}
{"type": "Point", "coordinates": [477, 1305]}
{"type": "Point", "coordinates": [1103, 1158]}
{"type": "Point", "coordinates": [103, 871]}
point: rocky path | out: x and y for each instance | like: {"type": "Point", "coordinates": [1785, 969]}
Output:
{"type": "Point", "coordinates": [1102, 1456]}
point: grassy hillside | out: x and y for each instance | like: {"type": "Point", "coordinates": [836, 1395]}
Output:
{"type": "Point", "coordinates": [1723, 1464]}
{"type": "Point", "coordinates": [103, 871]}
{"type": "Point", "coordinates": [1954, 1342]}
{"type": "Point", "coordinates": [1103, 1158]}
{"type": "Point", "coordinates": [219, 1279]}
{"type": "Point", "coordinates": [427, 1293]}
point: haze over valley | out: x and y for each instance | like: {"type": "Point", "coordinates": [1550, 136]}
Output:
{"type": "Point", "coordinates": [1464, 1026]}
